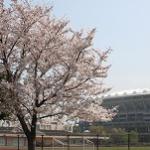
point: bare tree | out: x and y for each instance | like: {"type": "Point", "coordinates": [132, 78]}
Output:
{"type": "Point", "coordinates": [48, 69]}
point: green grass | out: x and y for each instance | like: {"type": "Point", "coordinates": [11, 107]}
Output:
{"type": "Point", "coordinates": [101, 148]}
{"type": "Point", "coordinates": [125, 148]}
{"type": "Point", "coordinates": [81, 148]}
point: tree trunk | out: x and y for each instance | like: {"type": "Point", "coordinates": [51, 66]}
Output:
{"type": "Point", "coordinates": [30, 133]}
{"type": "Point", "coordinates": [31, 142]}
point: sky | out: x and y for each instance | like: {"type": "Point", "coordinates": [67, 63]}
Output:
{"type": "Point", "coordinates": [123, 25]}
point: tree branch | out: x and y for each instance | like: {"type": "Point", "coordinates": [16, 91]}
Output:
{"type": "Point", "coordinates": [51, 115]}
{"type": "Point", "coordinates": [23, 123]}
{"type": "Point", "coordinates": [78, 85]}
{"type": "Point", "coordinates": [11, 49]}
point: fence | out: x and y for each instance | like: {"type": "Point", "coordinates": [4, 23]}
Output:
{"type": "Point", "coordinates": [77, 142]}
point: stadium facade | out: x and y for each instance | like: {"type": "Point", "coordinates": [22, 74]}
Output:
{"type": "Point", "coordinates": [133, 111]}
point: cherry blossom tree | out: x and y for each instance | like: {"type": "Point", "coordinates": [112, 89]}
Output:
{"type": "Point", "coordinates": [47, 68]}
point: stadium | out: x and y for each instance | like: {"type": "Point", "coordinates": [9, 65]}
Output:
{"type": "Point", "coordinates": [133, 111]}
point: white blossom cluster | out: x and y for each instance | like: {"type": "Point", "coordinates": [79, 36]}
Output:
{"type": "Point", "coordinates": [49, 70]}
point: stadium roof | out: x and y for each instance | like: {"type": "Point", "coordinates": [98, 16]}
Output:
{"type": "Point", "coordinates": [128, 93]}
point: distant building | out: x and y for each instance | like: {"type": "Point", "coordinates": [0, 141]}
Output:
{"type": "Point", "coordinates": [45, 125]}
{"type": "Point", "coordinates": [54, 125]}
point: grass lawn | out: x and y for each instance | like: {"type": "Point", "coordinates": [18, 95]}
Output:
{"type": "Point", "coordinates": [125, 148]}
{"type": "Point", "coordinates": [82, 148]}
{"type": "Point", "coordinates": [101, 148]}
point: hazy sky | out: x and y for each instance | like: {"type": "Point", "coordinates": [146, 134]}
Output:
{"type": "Point", "coordinates": [123, 25]}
